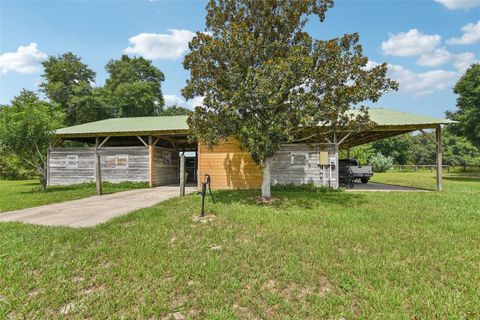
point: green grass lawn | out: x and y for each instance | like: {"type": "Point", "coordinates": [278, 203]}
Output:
{"type": "Point", "coordinates": [16, 195]}
{"type": "Point", "coordinates": [325, 255]}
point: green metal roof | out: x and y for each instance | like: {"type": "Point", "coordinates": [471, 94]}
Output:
{"type": "Point", "coordinates": [381, 116]}
{"type": "Point", "coordinates": [135, 124]}
{"type": "Point", "coordinates": [390, 117]}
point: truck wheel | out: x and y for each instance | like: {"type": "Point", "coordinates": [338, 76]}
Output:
{"type": "Point", "coordinates": [351, 183]}
{"type": "Point", "coordinates": [364, 181]}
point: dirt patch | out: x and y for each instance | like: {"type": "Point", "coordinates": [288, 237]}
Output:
{"type": "Point", "coordinates": [325, 286]}
{"type": "Point", "coordinates": [69, 308]}
{"type": "Point", "coordinates": [270, 286]}
{"type": "Point", "coordinates": [261, 201]}
{"type": "Point", "coordinates": [178, 301]}
{"type": "Point", "coordinates": [205, 219]}
{"type": "Point", "coordinates": [32, 293]}
{"type": "Point", "coordinates": [181, 316]}
{"type": "Point", "coordinates": [93, 289]}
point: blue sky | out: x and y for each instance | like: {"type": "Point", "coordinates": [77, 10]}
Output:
{"type": "Point", "coordinates": [428, 43]}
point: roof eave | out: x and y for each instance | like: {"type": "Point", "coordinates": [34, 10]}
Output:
{"type": "Point", "coordinates": [121, 134]}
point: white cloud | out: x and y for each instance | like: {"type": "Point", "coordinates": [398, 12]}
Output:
{"type": "Point", "coordinates": [464, 60]}
{"type": "Point", "coordinates": [423, 83]}
{"type": "Point", "coordinates": [459, 4]}
{"type": "Point", "coordinates": [441, 56]}
{"type": "Point", "coordinates": [435, 58]}
{"type": "Point", "coordinates": [171, 99]}
{"type": "Point", "coordinates": [25, 60]}
{"type": "Point", "coordinates": [371, 64]}
{"type": "Point", "coordinates": [411, 43]}
{"type": "Point", "coordinates": [471, 34]}
{"type": "Point", "coordinates": [160, 46]}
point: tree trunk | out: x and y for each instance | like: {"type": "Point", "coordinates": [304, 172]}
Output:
{"type": "Point", "coordinates": [43, 178]}
{"type": "Point", "coordinates": [266, 193]}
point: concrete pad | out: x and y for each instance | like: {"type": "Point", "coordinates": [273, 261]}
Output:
{"type": "Point", "coordinates": [380, 187]}
{"type": "Point", "coordinates": [94, 210]}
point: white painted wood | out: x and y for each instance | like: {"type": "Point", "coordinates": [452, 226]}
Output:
{"type": "Point", "coordinates": [438, 136]}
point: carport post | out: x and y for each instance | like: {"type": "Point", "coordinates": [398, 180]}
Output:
{"type": "Point", "coordinates": [438, 140]}
{"type": "Point", "coordinates": [337, 169]}
{"type": "Point", "coordinates": [98, 173]}
{"type": "Point", "coordinates": [182, 174]}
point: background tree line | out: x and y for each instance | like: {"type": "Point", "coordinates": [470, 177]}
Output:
{"type": "Point", "coordinates": [28, 122]}
{"type": "Point", "coordinates": [133, 88]}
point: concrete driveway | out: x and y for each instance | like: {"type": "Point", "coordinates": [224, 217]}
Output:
{"type": "Point", "coordinates": [91, 211]}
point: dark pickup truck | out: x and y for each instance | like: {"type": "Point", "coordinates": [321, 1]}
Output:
{"type": "Point", "coordinates": [350, 170]}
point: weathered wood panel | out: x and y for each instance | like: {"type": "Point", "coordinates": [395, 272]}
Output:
{"type": "Point", "coordinates": [229, 166]}
{"type": "Point", "coordinates": [117, 164]}
{"type": "Point", "coordinates": [300, 163]}
{"type": "Point", "coordinates": [165, 168]}
{"type": "Point", "coordinates": [232, 168]}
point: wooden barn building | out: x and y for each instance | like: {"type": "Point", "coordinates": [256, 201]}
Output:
{"type": "Point", "coordinates": [156, 149]}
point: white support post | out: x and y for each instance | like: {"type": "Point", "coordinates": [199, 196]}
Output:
{"type": "Point", "coordinates": [48, 165]}
{"type": "Point", "coordinates": [98, 170]}
{"type": "Point", "coordinates": [438, 140]}
{"type": "Point", "coordinates": [182, 175]}
{"type": "Point", "coordinates": [337, 171]}
{"type": "Point", "coordinates": [150, 161]}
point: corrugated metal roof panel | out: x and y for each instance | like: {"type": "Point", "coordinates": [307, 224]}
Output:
{"type": "Point", "coordinates": [381, 116]}
{"type": "Point", "coordinates": [390, 117]}
{"type": "Point", "coordinates": [135, 124]}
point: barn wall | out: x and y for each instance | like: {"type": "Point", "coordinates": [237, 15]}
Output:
{"type": "Point", "coordinates": [304, 167]}
{"type": "Point", "coordinates": [117, 164]}
{"type": "Point", "coordinates": [232, 168]}
{"type": "Point", "coordinates": [165, 166]}
{"type": "Point", "coordinates": [229, 166]}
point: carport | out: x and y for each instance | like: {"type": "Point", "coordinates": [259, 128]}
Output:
{"type": "Point", "coordinates": [389, 123]}
{"type": "Point", "coordinates": [155, 150]}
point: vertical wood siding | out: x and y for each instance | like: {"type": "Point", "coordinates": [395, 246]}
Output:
{"type": "Point", "coordinates": [305, 167]}
{"type": "Point", "coordinates": [233, 168]}
{"type": "Point", "coordinates": [136, 169]}
{"type": "Point", "coordinates": [165, 164]}
{"type": "Point", "coordinates": [229, 166]}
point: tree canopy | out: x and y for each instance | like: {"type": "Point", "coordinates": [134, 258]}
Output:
{"type": "Point", "coordinates": [265, 80]}
{"type": "Point", "coordinates": [27, 127]}
{"type": "Point", "coordinates": [134, 87]}
{"type": "Point", "coordinates": [468, 104]}
{"type": "Point", "coordinates": [175, 111]}
{"type": "Point", "coordinates": [66, 80]}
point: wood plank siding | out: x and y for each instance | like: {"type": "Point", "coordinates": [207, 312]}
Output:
{"type": "Point", "coordinates": [229, 166]}
{"type": "Point", "coordinates": [300, 163]}
{"type": "Point", "coordinates": [233, 168]}
{"type": "Point", "coordinates": [165, 164]}
{"type": "Point", "coordinates": [77, 165]}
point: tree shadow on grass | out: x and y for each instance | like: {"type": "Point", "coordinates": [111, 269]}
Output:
{"type": "Point", "coordinates": [286, 199]}
{"type": "Point", "coordinates": [463, 179]}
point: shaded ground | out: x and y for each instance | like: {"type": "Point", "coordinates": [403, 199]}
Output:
{"type": "Point", "coordinates": [380, 187]}
{"type": "Point", "coordinates": [91, 211]}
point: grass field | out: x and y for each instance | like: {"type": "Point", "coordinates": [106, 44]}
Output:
{"type": "Point", "coordinates": [16, 195]}
{"type": "Point", "coordinates": [307, 255]}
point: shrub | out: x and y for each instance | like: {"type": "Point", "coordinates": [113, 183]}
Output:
{"type": "Point", "coordinates": [381, 163]}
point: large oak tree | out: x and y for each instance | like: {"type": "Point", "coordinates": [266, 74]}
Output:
{"type": "Point", "coordinates": [266, 81]}
{"type": "Point", "coordinates": [68, 83]}
{"type": "Point", "coordinates": [134, 87]}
